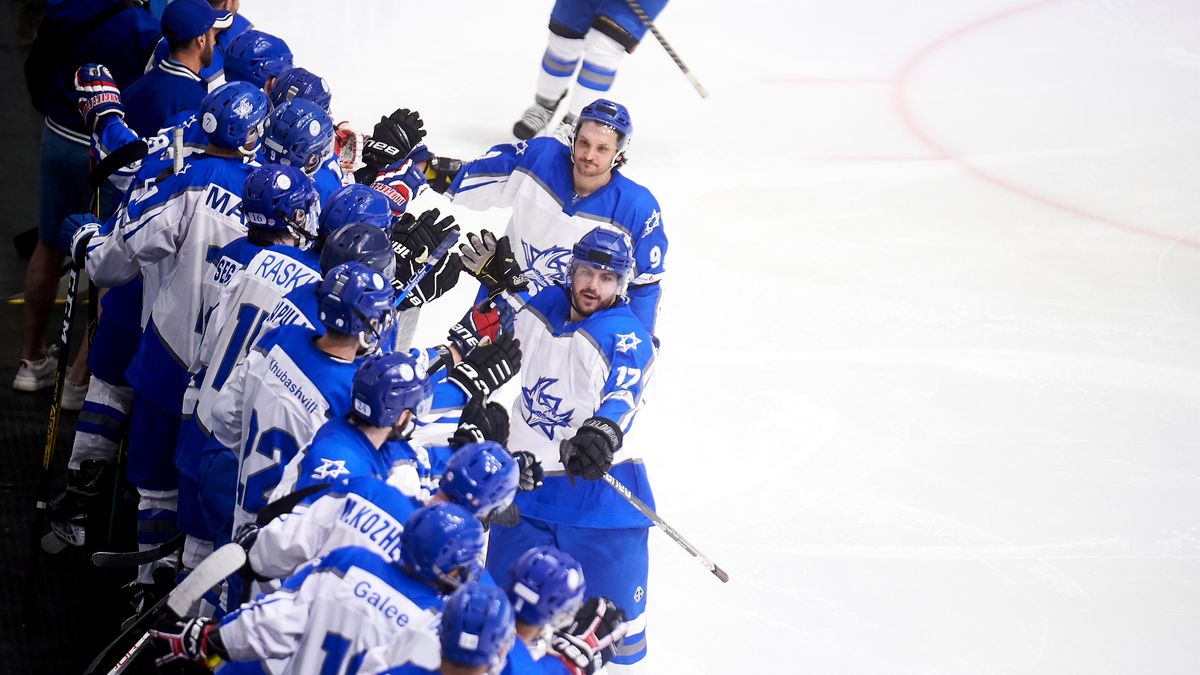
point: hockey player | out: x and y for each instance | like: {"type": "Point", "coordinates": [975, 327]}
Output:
{"type": "Point", "coordinates": [167, 235]}
{"type": "Point", "coordinates": [190, 30]}
{"type": "Point", "coordinates": [300, 134]}
{"type": "Point", "coordinates": [301, 83]}
{"type": "Point", "coordinates": [258, 58]}
{"type": "Point", "coordinates": [546, 588]}
{"type": "Point", "coordinates": [213, 75]}
{"type": "Point", "coordinates": [329, 613]}
{"type": "Point", "coordinates": [602, 32]}
{"type": "Point", "coordinates": [475, 636]}
{"type": "Point", "coordinates": [279, 203]}
{"type": "Point", "coordinates": [293, 380]}
{"type": "Point", "coordinates": [366, 511]}
{"type": "Point", "coordinates": [558, 193]}
{"type": "Point", "coordinates": [581, 386]}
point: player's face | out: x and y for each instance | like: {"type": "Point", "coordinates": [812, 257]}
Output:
{"type": "Point", "coordinates": [206, 53]}
{"type": "Point", "coordinates": [592, 289]}
{"type": "Point", "coordinates": [595, 147]}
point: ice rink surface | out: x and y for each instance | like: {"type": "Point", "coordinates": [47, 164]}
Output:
{"type": "Point", "coordinates": [929, 383]}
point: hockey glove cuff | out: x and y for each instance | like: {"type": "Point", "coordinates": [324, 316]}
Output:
{"type": "Point", "coordinates": [440, 173]}
{"type": "Point", "coordinates": [481, 422]}
{"type": "Point", "coordinates": [593, 636]}
{"type": "Point", "coordinates": [190, 640]}
{"type": "Point", "coordinates": [401, 183]}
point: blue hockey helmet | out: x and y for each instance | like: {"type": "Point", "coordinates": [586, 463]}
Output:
{"type": "Point", "coordinates": [605, 249]}
{"type": "Point", "coordinates": [443, 543]}
{"type": "Point", "coordinates": [355, 203]}
{"type": "Point", "coordinates": [281, 198]}
{"type": "Point", "coordinates": [546, 587]}
{"type": "Point", "coordinates": [477, 627]}
{"type": "Point", "coordinates": [612, 115]}
{"type": "Point", "coordinates": [255, 57]}
{"type": "Point", "coordinates": [482, 477]}
{"type": "Point", "coordinates": [354, 299]}
{"type": "Point", "coordinates": [364, 243]}
{"type": "Point", "coordinates": [388, 384]}
{"type": "Point", "coordinates": [301, 83]}
{"type": "Point", "coordinates": [232, 116]}
{"type": "Point", "coordinates": [298, 133]}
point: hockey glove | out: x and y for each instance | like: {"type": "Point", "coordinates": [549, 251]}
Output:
{"type": "Point", "coordinates": [485, 368]}
{"type": "Point", "coordinates": [481, 422]}
{"type": "Point", "coordinates": [393, 138]}
{"type": "Point", "coordinates": [590, 453]}
{"type": "Point", "coordinates": [531, 471]}
{"type": "Point", "coordinates": [97, 94]}
{"type": "Point", "coordinates": [348, 146]}
{"type": "Point", "coordinates": [491, 261]}
{"type": "Point", "coordinates": [508, 516]}
{"type": "Point", "coordinates": [441, 278]}
{"type": "Point", "coordinates": [400, 182]}
{"type": "Point", "coordinates": [414, 238]}
{"type": "Point", "coordinates": [478, 324]}
{"type": "Point", "coordinates": [189, 639]}
{"type": "Point", "coordinates": [592, 637]}
{"type": "Point", "coordinates": [76, 232]}
{"type": "Point", "coordinates": [440, 173]}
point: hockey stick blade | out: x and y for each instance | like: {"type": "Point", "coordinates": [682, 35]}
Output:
{"type": "Point", "coordinates": [433, 256]}
{"type": "Point", "coordinates": [127, 154]}
{"type": "Point", "coordinates": [135, 558]}
{"type": "Point", "coordinates": [223, 562]}
{"type": "Point", "coordinates": [666, 528]}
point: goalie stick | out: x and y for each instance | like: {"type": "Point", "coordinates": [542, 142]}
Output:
{"type": "Point", "coordinates": [430, 259]}
{"type": "Point", "coordinates": [662, 524]}
{"type": "Point", "coordinates": [224, 561]}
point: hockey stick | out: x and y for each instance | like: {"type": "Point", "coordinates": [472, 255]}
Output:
{"type": "Point", "coordinates": [223, 562]}
{"type": "Point", "coordinates": [645, 19]}
{"type": "Point", "coordinates": [667, 529]}
{"type": "Point", "coordinates": [286, 503]}
{"type": "Point", "coordinates": [135, 558]}
{"type": "Point", "coordinates": [430, 259]}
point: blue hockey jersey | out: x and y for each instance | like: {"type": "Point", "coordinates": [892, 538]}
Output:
{"type": "Point", "coordinates": [165, 90]}
{"type": "Point", "coordinates": [534, 179]}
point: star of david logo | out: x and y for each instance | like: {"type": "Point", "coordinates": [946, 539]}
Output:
{"type": "Point", "coordinates": [330, 469]}
{"type": "Point", "coordinates": [546, 266]}
{"type": "Point", "coordinates": [521, 147]}
{"type": "Point", "coordinates": [627, 342]}
{"type": "Point", "coordinates": [542, 409]}
{"type": "Point", "coordinates": [655, 220]}
{"type": "Point", "coordinates": [243, 109]}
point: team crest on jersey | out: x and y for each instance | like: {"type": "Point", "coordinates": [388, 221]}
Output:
{"type": "Point", "coordinates": [627, 342]}
{"type": "Point", "coordinates": [521, 147]}
{"type": "Point", "coordinates": [547, 266]}
{"type": "Point", "coordinates": [655, 220]}
{"type": "Point", "coordinates": [542, 409]}
{"type": "Point", "coordinates": [330, 469]}
{"type": "Point", "coordinates": [243, 108]}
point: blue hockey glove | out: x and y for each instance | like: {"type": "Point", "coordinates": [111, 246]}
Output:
{"type": "Point", "coordinates": [400, 182]}
{"type": "Point", "coordinates": [73, 237]}
{"type": "Point", "coordinates": [97, 94]}
{"type": "Point", "coordinates": [486, 320]}
{"type": "Point", "coordinates": [590, 453]}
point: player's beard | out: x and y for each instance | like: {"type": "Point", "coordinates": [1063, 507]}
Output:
{"type": "Point", "coordinates": [206, 56]}
{"type": "Point", "coordinates": [589, 303]}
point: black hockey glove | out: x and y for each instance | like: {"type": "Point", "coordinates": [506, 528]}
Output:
{"type": "Point", "coordinates": [481, 422]}
{"type": "Point", "coordinates": [440, 173]}
{"type": "Point", "coordinates": [413, 238]}
{"type": "Point", "coordinates": [592, 637]}
{"type": "Point", "coordinates": [492, 262]}
{"type": "Point", "coordinates": [590, 453]}
{"type": "Point", "coordinates": [508, 516]}
{"type": "Point", "coordinates": [393, 138]}
{"type": "Point", "coordinates": [531, 471]}
{"type": "Point", "coordinates": [485, 368]}
{"type": "Point", "coordinates": [441, 278]}
{"type": "Point", "coordinates": [190, 640]}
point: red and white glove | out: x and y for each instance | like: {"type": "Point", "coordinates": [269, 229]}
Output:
{"type": "Point", "coordinates": [97, 94]}
{"type": "Point", "coordinates": [188, 639]}
{"type": "Point", "coordinates": [348, 146]}
{"type": "Point", "coordinates": [401, 182]}
{"type": "Point", "coordinates": [592, 637]}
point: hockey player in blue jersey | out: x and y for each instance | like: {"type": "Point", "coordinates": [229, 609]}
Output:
{"type": "Point", "coordinates": [299, 133]}
{"type": "Point", "coordinates": [190, 30]}
{"type": "Point", "coordinates": [599, 31]}
{"type": "Point", "coordinates": [301, 83]}
{"type": "Point", "coordinates": [546, 588]}
{"type": "Point", "coordinates": [258, 58]}
{"type": "Point", "coordinates": [558, 193]}
{"type": "Point", "coordinates": [327, 615]}
{"type": "Point", "coordinates": [167, 236]}
{"type": "Point", "coordinates": [589, 359]}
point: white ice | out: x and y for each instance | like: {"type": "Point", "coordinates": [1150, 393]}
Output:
{"type": "Point", "coordinates": [929, 379]}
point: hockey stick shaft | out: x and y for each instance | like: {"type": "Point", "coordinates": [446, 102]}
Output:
{"type": "Point", "coordinates": [131, 654]}
{"type": "Point", "coordinates": [666, 528]}
{"type": "Point", "coordinates": [430, 260]}
{"type": "Point", "coordinates": [136, 558]}
{"type": "Point", "coordinates": [645, 19]}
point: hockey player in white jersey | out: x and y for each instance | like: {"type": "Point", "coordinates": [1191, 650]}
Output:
{"type": "Point", "coordinates": [279, 204]}
{"type": "Point", "coordinates": [327, 615]}
{"type": "Point", "coordinates": [366, 511]}
{"type": "Point", "coordinates": [293, 380]}
{"type": "Point", "coordinates": [557, 194]}
{"type": "Point", "coordinates": [168, 235]}
{"type": "Point", "coordinates": [589, 359]}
